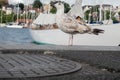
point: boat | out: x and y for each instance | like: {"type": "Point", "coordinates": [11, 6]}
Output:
{"type": "Point", "coordinates": [55, 36]}
{"type": "Point", "coordinates": [2, 25]}
{"type": "Point", "coordinates": [13, 25]}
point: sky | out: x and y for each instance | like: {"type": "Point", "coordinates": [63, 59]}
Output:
{"type": "Point", "coordinates": [112, 2]}
{"type": "Point", "coordinates": [85, 2]}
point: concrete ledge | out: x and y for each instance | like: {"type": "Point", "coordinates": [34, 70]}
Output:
{"type": "Point", "coordinates": [55, 47]}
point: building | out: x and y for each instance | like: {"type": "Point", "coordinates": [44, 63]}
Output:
{"type": "Point", "coordinates": [5, 7]}
{"type": "Point", "coordinates": [9, 10]}
{"type": "Point", "coordinates": [107, 7]}
{"type": "Point", "coordinates": [86, 7]}
{"type": "Point", "coordinates": [104, 7]}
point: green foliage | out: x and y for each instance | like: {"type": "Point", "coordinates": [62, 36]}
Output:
{"type": "Point", "coordinates": [92, 9]}
{"type": "Point", "coordinates": [67, 7]}
{"type": "Point", "coordinates": [96, 9]}
{"type": "Point", "coordinates": [2, 16]}
{"type": "Point", "coordinates": [0, 6]}
{"type": "Point", "coordinates": [53, 10]}
{"type": "Point", "coordinates": [37, 4]}
{"type": "Point", "coordinates": [9, 18]}
{"type": "Point", "coordinates": [21, 5]}
{"type": "Point", "coordinates": [114, 19]}
{"type": "Point", "coordinates": [107, 15]}
{"type": "Point", "coordinates": [87, 14]}
{"type": "Point", "coordinates": [119, 13]}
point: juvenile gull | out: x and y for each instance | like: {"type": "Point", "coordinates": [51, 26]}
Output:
{"type": "Point", "coordinates": [70, 25]}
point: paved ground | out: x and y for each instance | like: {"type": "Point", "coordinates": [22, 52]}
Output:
{"type": "Point", "coordinates": [34, 65]}
{"type": "Point", "coordinates": [98, 62]}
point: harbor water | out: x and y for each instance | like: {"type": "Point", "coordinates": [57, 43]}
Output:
{"type": "Point", "coordinates": [15, 36]}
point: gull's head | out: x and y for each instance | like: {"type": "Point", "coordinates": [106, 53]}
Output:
{"type": "Point", "coordinates": [58, 4]}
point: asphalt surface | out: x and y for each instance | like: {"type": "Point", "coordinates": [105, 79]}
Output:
{"type": "Point", "coordinates": [97, 62]}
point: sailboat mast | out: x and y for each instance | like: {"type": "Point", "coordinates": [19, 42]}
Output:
{"type": "Point", "coordinates": [49, 6]}
{"type": "Point", "coordinates": [104, 14]}
{"type": "Point", "coordinates": [1, 15]}
{"type": "Point", "coordinates": [110, 12]}
{"type": "Point", "coordinates": [100, 13]}
{"type": "Point", "coordinates": [17, 12]}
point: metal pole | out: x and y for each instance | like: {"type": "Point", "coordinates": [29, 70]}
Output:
{"type": "Point", "coordinates": [17, 13]}
{"type": "Point", "coordinates": [110, 12]}
{"type": "Point", "coordinates": [49, 8]}
{"type": "Point", "coordinates": [104, 14]}
{"type": "Point", "coordinates": [1, 15]}
{"type": "Point", "coordinates": [89, 20]}
{"type": "Point", "coordinates": [100, 14]}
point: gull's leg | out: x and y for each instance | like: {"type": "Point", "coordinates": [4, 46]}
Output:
{"type": "Point", "coordinates": [70, 40]}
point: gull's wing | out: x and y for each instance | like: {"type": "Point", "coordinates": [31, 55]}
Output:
{"type": "Point", "coordinates": [70, 25]}
{"type": "Point", "coordinates": [69, 22]}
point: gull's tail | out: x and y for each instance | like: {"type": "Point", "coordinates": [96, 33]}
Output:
{"type": "Point", "coordinates": [94, 31]}
{"type": "Point", "coordinates": [97, 31]}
